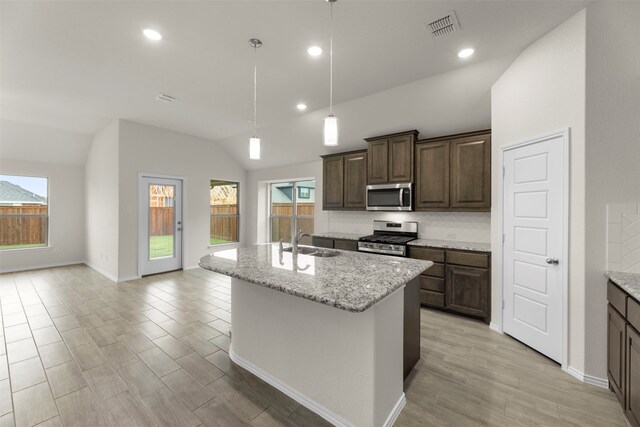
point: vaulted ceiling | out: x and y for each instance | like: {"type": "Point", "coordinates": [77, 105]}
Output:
{"type": "Point", "coordinates": [76, 65]}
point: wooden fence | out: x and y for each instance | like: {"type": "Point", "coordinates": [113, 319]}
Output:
{"type": "Point", "coordinates": [23, 225]}
{"type": "Point", "coordinates": [223, 221]}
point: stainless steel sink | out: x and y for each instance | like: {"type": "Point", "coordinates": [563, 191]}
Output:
{"type": "Point", "coordinates": [313, 251]}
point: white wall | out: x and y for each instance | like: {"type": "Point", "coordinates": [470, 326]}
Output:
{"type": "Point", "coordinates": [613, 149]}
{"type": "Point", "coordinates": [541, 92]}
{"type": "Point", "coordinates": [66, 216]}
{"type": "Point", "coordinates": [148, 149]}
{"type": "Point", "coordinates": [257, 209]}
{"type": "Point", "coordinates": [101, 189]}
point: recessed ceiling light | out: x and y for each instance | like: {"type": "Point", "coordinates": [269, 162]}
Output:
{"type": "Point", "coordinates": [152, 34]}
{"type": "Point", "coordinates": [301, 106]}
{"type": "Point", "coordinates": [465, 53]}
{"type": "Point", "coordinates": [314, 51]}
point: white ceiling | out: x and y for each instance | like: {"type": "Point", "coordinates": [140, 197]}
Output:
{"type": "Point", "coordinates": [76, 65]}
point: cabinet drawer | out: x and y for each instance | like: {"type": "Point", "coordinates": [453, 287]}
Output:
{"type": "Point", "coordinates": [633, 313]}
{"type": "Point", "coordinates": [431, 284]}
{"type": "Point", "coordinates": [345, 245]}
{"type": "Point", "coordinates": [432, 298]}
{"type": "Point", "coordinates": [471, 259]}
{"type": "Point", "coordinates": [617, 299]}
{"type": "Point", "coordinates": [436, 270]}
{"type": "Point", "coordinates": [435, 255]}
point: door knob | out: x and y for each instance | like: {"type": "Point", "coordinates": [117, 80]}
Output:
{"type": "Point", "coordinates": [179, 228]}
{"type": "Point", "coordinates": [552, 261]}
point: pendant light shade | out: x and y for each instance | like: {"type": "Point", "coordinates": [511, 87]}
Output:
{"type": "Point", "coordinates": [254, 141]}
{"type": "Point", "coordinates": [254, 148]}
{"type": "Point", "coordinates": [330, 133]}
{"type": "Point", "coordinates": [330, 130]}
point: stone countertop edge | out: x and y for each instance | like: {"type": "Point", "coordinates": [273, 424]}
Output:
{"type": "Point", "coordinates": [346, 293]}
{"type": "Point", "coordinates": [629, 282]}
{"type": "Point", "coordinates": [452, 244]}
{"type": "Point", "coordinates": [339, 236]}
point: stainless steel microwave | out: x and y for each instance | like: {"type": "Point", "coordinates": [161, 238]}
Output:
{"type": "Point", "coordinates": [389, 197]}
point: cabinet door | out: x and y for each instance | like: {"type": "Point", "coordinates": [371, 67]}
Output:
{"type": "Point", "coordinates": [467, 290]}
{"type": "Point", "coordinates": [333, 183]}
{"type": "Point", "coordinates": [355, 181]}
{"type": "Point", "coordinates": [322, 242]}
{"type": "Point", "coordinates": [401, 159]}
{"type": "Point", "coordinates": [378, 162]}
{"type": "Point", "coordinates": [432, 175]}
{"type": "Point", "coordinates": [633, 376]}
{"type": "Point", "coordinates": [615, 352]}
{"type": "Point", "coordinates": [471, 172]}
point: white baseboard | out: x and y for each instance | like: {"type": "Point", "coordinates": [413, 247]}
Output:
{"type": "Point", "coordinates": [393, 416]}
{"type": "Point", "coordinates": [101, 271]}
{"type": "Point", "coordinates": [41, 266]}
{"type": "Point", "coordinates": [600, 382]}
{"type": "Point", "coordinates": [305, 401]}
{"type": "Point", "coordinates": [127, 278]}
{"type": "Point", "coordinates": [191, 267]}
{"type": "Point", "coordinates": [495, 327]}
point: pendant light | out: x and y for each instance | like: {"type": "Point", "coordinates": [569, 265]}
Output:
{"type": "Point", "coordinates": [254, 141]}
{"type": "Point", "coordinates": [330, 133]}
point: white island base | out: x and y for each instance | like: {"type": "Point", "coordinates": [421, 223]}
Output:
{"type": "Point", "coordinates": [347, 367]}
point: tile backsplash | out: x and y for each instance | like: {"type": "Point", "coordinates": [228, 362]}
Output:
{"type": "Point", "coordinates": [459, 226]}
{"type": "Point", "coordinates": [623, 237]}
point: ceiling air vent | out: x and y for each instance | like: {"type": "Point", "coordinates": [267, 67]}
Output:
{"type": "Point", "coordinates": [165, 97]}
{"type": "Point", "coordinates": [444, 26]}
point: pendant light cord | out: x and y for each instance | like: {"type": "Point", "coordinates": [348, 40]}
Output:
{"type": "Point", "coordinates": [255, 90]}
{"type": "Point", "coordinates": [331, 61]}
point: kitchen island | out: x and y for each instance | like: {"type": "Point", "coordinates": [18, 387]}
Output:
{"type": "Point", "coordinates": [334, 333]}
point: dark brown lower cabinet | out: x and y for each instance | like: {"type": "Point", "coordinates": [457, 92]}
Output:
{"type": "Point", "coordinates": [633, 376]}
{"type": "Point", "coordinates": [467, 290]}
{"type": "Point", "coordinates": [623, 350]}
{"type": "Point", "coordinates": [616, 352]}
{"type": "Point", "coordinates": [458, 281]}
{"type": "Point", "coordinates": [342, 244]}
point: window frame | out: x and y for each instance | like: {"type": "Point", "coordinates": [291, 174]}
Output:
{"type": "Point", "coordinates": [228, 182]}
{"type": "Point", "coordinates": [47, 244]}
{"type": "Point", "coordinates": [294, 204]}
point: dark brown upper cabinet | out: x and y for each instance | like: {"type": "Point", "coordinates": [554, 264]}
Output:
{"type": "Point", "coordinates": [344, 181]}
{"type": "Point", "coordinates": [390, 158]}
{"type": "Point", "coordinates": [432, 175]}
{"type": "Point", "coordinates": [333, 182]}
{"type": "Point", "coordinates": [453, 173]}
{"type": "Point", "coordinates": [471, 172]}
{"type": "Point", "coordinates": [355, 180]}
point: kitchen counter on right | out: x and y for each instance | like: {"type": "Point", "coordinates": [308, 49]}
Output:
{"type": "Point", "coordinates": [629, 282]}
{"type": "Point", "coordinates": [452, 244]}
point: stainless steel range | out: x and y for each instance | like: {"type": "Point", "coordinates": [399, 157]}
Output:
{"type": "Point", "coordinates": [389, 238]}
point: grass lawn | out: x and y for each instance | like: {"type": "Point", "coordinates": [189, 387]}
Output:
{"type": "Point", "coordinates": [216, 241]}
{"type": "Point", "coordinates": [31, 245]}
{"type": "Point", "coordinates": [160, 246]}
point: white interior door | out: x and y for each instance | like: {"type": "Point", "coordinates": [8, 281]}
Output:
{"type": "Point", "coordinates": [534, 262]}
{"type": "Point", "coordinates": [160, 225]}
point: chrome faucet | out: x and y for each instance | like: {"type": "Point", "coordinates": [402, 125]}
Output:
{"type": "Point", "coordinates": [295, 241]}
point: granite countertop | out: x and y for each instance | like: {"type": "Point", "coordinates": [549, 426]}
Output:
{"type": "Point", "coordinates": [452, 244]}
{"type": "Point", "coordinates": [338, 235]}
{"type": "Point", "coordinates": [630, 282]}
{"type": "Point", "coordinates": [351, 281]}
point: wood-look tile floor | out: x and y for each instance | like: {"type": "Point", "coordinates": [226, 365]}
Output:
{"type": "Point", "coordinates": [79, 350]}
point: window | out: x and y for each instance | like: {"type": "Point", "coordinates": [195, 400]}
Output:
{"type": "Point", "coordinates": [24, 212]}
{"type": "Point", "coordinates": [225, 213]}
{"type": "Point", "coordinates": [292, 209]}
